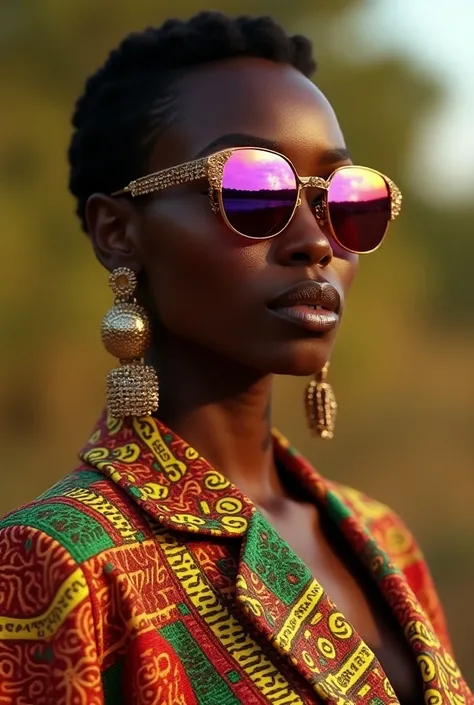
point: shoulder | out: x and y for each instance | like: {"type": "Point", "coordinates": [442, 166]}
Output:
{"type": "Point", "coordinates": [84, 513]}
{"type": "Point", "coordinates": [62, 542]}
{"type": "Point", "coordinates": [366, 507]}
{"type": "Point", "coordinates": [59, 543]}
{"type": "Point", "coordinates": [385, 525]}
{"type": "Point", "coordinates": [393, 536]}
{"type": "Point", "coordinates": [55, 553]}
{"type": "Point", "coordinates": [42, 546]}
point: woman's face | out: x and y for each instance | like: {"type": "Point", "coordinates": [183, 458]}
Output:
{"type": "Point", "coordinates": [208, 285]}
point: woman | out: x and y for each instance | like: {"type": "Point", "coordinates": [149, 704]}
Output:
{"type": "Point", "coordinates": [194, 556]}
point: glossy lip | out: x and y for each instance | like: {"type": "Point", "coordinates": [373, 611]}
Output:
{"type": "Point", "coordinates": [290, 306]}
{"type": "Point", "coordinates": [311, 293]}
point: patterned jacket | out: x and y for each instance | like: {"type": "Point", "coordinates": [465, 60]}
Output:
{"type": "Point", "coordinates": [145, 578]}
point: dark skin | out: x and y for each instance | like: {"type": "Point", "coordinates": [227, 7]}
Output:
{"type": "Point", "coordinates": [208, 290]}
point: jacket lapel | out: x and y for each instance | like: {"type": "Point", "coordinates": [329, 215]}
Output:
{"type": "Point", "coordinates": [441, 677]}
{"type": "Point", "coordinates": [291, 610]}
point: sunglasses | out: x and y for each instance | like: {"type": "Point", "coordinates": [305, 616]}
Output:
{"type": "Point", "coordinates": [258, 191]}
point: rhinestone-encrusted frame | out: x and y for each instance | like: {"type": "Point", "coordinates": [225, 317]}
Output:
{"type": "Point", "coordinates": [212, 168]}
{"type": "Point", "coordinates": [175, 175]}
{"type": "Point", "coordinates": [396, 198]}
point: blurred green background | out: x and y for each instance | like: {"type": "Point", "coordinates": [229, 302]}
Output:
{"type": "Point", "coordinates": [403, 370]}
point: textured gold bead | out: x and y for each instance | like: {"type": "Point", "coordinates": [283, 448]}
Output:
{"type": "Point", "coordinates": [126, 331]}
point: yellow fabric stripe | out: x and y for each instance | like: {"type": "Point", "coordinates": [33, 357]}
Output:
{"type": "Point", "coordinates": [231, 634]}
{"type": "Point", "coordinates": [71, 593]}
{"type": "Point", "coordinates": [353, 669]}
{"type": "Point", "coordinates": [298, 614]}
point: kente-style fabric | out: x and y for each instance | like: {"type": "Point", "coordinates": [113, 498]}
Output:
{"type": "Point", "coordinates": [145, 577]}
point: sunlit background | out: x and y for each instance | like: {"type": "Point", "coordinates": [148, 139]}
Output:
{"type": "Point", "coordinates": [400, 75]}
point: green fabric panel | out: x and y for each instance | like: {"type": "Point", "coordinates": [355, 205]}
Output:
{"type": "Point", "coordinates": [82, 536]}
{"type": "Point", "coordinates": [82, 479]}
{"type": "Point", "coordinates": [337, 510]}
{"type": "Point", "coordinates": [272, 559]}
{"type": "Point", "coordinates": [205, 680]}
{"type": "Point", "coordinates": [112, 683]}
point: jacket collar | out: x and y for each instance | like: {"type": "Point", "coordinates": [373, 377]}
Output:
{"type": "Point", "coordinates": [165, 476]}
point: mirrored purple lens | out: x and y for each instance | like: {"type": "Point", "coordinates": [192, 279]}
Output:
{"type": "Point", "coordinates": [259, 192]}
{"type": "Point", "coordinates": [359, 208]}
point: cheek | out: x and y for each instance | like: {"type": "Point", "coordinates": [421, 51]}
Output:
{"type": "Point", "coordinates": [346, 265]}
{"type": "Point", "coordinates": [194, 262]}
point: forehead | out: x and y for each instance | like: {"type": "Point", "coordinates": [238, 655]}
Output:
{"type": "Point", "coordinates": [249, 96]}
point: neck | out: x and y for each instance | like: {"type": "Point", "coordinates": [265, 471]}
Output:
{"type": "Point", "coordinates": [223, 410]}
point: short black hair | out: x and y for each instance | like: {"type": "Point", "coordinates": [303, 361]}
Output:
{"type": "Point", "coordinates": [129, 96]}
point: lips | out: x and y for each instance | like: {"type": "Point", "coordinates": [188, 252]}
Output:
{"type": "Point", "coordinates": [317, 294]}
{"type": "Point", "coordinates": [312, 305]}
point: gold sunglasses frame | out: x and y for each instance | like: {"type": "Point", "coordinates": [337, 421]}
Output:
{"type": "Point", "coordinates": [212, 169]}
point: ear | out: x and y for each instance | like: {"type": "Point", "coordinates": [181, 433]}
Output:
{"type": "Point", "coordinates": [114, 227]}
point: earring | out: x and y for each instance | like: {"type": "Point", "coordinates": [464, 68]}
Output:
{"type": "Point", "coordinates": [132, 388]}
{"type": "Point", "coordinates": [321, 406]}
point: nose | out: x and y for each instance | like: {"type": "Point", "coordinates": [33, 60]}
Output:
{"type": "Point", "coordinates": [303, 242]}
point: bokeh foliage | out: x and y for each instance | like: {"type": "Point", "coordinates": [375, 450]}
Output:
{"type": "Point", "coordinates": [403, 370]}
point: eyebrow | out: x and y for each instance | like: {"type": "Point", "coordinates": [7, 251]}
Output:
{"type": "Point", "coordinates": [238, 139]}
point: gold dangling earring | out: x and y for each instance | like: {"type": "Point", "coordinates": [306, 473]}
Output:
{"type": "Point", "coordinates": [321, 406]}
{"type": "Point", "coordinates": [132, 388]}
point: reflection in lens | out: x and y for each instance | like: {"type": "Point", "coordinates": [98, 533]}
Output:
{"type": "Point", "coordinates": [259, 192]}
{"type": "Point", "coordinates": [359, 208]}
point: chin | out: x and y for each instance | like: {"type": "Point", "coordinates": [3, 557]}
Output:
{"type": "Point", "coordinates": [300, 359]}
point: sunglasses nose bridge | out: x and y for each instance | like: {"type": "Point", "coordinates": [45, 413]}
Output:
{"type": "Point", "coordinates": [305, 182]}
{"type": "Point", "coordinates": [313, 182]}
